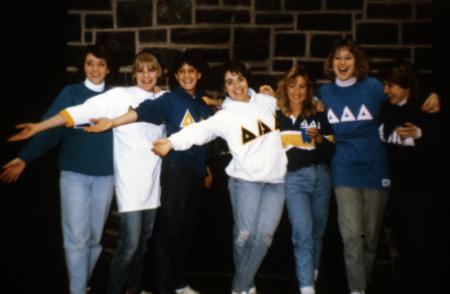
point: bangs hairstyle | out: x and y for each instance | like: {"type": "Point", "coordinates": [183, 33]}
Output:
{"type": "Point", "coordinates": [361, 60]}
{"type": "Point", "coordinates": [99, 51]}
{"type": "Point", "coordinates": [308, 108]}
{"type": "Point", "coordinates": [191, 58]}
{"type": "Point", "coordinates": [146, 58]}
{"type": "Point", "coordinates": [403, 74]}
{"type": "Point", "coordinates": [236, 67]}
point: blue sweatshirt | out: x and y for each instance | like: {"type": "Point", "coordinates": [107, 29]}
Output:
{"type": "Point", "coordinates": [79, 151]}
{"type": "Point", "coordinates": [178, 109]}
{"type": "Point", "coordinates": [360, 159]}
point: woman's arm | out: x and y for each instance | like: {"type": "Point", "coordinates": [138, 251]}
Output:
{"type": "Point", "coordinates": [104, 124]}
{"type": "Point", "coordinates": [30, 129]}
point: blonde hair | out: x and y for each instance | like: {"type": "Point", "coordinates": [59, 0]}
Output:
{"type": "Point", "coordinates": [146, 58]}
{"type": "Point", "coordinates": [308, 107]}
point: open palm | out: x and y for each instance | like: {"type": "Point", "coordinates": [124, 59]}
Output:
{"type": "Point", "coordinates": [100, 125]}
{"type": "Point", "coordinates": [27, 131]}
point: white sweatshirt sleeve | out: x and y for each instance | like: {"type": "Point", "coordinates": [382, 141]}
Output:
{"type": "Point", "coordinates": [101, 105]}
{"type": "Point", "coordinates": [199, 133]}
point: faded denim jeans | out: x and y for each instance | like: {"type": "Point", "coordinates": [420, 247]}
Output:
{"type": "Point", "coordinates": [85, 203]}
{"type": "Point", "coordinates": [127, 266]}
{"type": "Point", "coordinates": [257, 209]}
{"type": "Point", "coordinates": [308, 193]}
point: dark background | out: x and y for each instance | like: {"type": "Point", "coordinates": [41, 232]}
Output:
{"type": "Point", "coordinates": [35, 51]}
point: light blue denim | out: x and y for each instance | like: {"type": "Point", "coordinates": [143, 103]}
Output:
{"type": "Point", "coordinates": [85, 203]}
{"type": "Point", "coordinates": [257, 209]}
{"type": "Point", "coordinates": [127, 266]}
{"type": "Point", "coordinates": [360, 216]}
{"type": "Point", "coordinates": [308, 193]}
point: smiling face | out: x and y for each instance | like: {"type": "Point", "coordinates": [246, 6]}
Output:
{"type": "Point", "coordinates": [236, 86]}
{"type": "Point", "coordinates": [396, 93]}
{"type": "Point", "coordinates": [146, 76]}
{"type": "Point", "coordinates": [95, 69]}
{"type": "Point", "coordinates": [344, 64]}
{"type": "Point", "coordinates": [296, 91]}
{"type": "Point", "coordinates": [188, 76]}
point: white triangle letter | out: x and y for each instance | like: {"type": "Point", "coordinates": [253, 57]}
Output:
{"type": "Point", "coordinates": [347, 115]}
{"type": "Point", "coordinates": [332, 118]}
{"type": "Point", "coordinates": [364, 113]}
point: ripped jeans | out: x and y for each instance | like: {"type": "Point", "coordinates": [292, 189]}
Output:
{"type": "Point", "coordinates": [257, 209]}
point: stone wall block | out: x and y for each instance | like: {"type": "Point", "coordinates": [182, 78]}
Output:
{"type": "Point", "coordinates": [149, 36]}
{"type": "Point", "coordinates": [344, 4]}
{"type": "Point", "coordinates": [268, 5]}
{"type": "Point", "coordinates": [290, 45]}
{"type": "Point", "coordinates": [134, 13]}
{"type": "Point", "coordinates": [174, 12]}
{"type": "Point", "coordinates": [275, 19]}
{"type": "Point", "coordinates": [99, 21]}
{"type": "Point", "coordinates": [200, 36]}
{"type": "Point", "coordinates": [389, 10]}
{"type": "Point", "coordinates": [222, 16]}
{"type": "Point", "coordinates": [251, 44]}
{"type": "Point", "coordinates": [321, 45]}
{"type": "Point", "coordinates": [324, 22]}
{"type": "Point", "coordinates": [377, 33]}
{"type": "Point", "coordinates": [302, 5]}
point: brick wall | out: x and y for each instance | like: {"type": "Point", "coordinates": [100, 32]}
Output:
{"type": "Point", "coordinates": [268, 35]}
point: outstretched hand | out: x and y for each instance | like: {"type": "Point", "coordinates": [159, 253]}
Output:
{"type": "Point", "coordinates": [12, 170]}
{"type": "Point", "coordinates": [27, 131]}
{"type": "Point", "coordinates": [432, 104]}
{"type": "Point", "coordinates": [100, 125]}
{"type": "Point", "coordinates": [161, 147]}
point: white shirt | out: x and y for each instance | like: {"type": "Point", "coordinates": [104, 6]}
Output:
{"type": "Point", "coordinates": [136, 167]}
{"type": "Point", "coordinates": [250, 131]}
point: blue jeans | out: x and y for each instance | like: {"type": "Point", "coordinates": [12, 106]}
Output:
{"type": "Point", "coordinates": [127, 266]}
{"type": "Point", "coordinates": [85, 203]}
{"type": "Point", "coordinates": [257, 209]}
{"type": "Point", "coordinates": [308, 192]}
{"type": "Point", "coordinates": [360, 216]}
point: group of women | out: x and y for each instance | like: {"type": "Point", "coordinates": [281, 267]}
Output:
{"type": "Point", "coordinates": [291, 149]}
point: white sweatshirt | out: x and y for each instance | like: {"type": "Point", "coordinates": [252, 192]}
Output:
{"type": "Point", "coordinates": [250, 130]}
{"type": "Point", "coordinates": [136, 167]}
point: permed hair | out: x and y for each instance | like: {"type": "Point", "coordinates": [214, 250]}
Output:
{"type": "Point", "coordinates": [289, 77]}
{"type": "Point", "coordinates": [361, 60]}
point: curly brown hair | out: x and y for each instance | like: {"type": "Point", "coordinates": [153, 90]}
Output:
{"type": "Point", "coordinates": [361, 60]}
{"type": "Point", "coordinates": [308, 107]}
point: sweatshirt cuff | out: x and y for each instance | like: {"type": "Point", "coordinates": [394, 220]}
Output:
{"type": "Point", "coordinates": [173, 141]}
{"type": "Point", "coordinates": [70, 123]}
